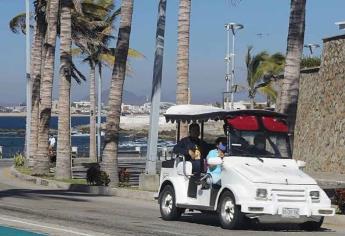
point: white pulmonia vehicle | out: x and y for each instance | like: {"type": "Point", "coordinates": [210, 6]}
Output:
{"type": "Point", "coordinates": [253, 184]}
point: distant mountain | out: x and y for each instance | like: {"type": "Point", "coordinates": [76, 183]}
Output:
{"type": "Point", "coordinates": [128, 98]}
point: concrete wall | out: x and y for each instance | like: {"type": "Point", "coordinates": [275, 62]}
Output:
{"type": "Point", "coordinates": [320, 124]}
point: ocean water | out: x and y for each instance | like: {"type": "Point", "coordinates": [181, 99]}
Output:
{"type": "Point", "coordinates": [12, 137]}
{"type": "Point", "coordinates": [19, 122]}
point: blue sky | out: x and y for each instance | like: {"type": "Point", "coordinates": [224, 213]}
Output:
{"type": "Point", "coordinates": [208, 43]}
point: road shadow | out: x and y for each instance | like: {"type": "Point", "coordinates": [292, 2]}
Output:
{"type": "Point", "coordinates": [250, 225]}
{"type": "Point", "coordinates": [47, 194]}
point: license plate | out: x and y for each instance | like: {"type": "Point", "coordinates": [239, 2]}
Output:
{"type": "Point", "coordinates": [290, 213]}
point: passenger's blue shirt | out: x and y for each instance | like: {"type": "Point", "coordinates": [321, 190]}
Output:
{"type": "Point", "coordinates": [216, 169]}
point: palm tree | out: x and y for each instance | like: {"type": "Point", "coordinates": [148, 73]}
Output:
{"type": "Point", "coordinates": [86, 31]}
{"type": "Point", "coordinates": [38, 52]}
{"type": "Point", "coordinates": [260, 69]}
{"type": "Point", "coordinates": [18, 24]}
{"type": "Point", "coordinates": [109, 160]}
{"type": "Point", "coordinates": [289, 93]}
{"type": "Point", "coordinates": [42, 161]}
{"type": "Point", "coordinates": [63, 157]}
{"type": "Point", "coordinates": [97, 53]}
{"type": "Point", "coordinates": [183, 57]}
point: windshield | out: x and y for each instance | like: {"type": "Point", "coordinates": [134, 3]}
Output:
{"type": "Point", "coordinates": [259, 144]}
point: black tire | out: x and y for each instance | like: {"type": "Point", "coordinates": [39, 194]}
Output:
{"type": "Point", "coordinates": [230, 215]}
{"type": "Point", "coordinates": [167, 204]}
{"type": "Point", "coordinates": [312, 225]}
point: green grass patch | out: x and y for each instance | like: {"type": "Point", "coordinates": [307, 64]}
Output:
{"type": "Point", "coordinates": [28, 171]}
{"type": "Point", "coordinates": [24, 170]}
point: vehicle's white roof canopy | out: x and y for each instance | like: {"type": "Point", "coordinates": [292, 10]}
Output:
{"type": "Point", "coordinates": [189, 113]}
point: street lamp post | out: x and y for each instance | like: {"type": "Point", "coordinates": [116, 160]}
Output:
{"type": "Point", "coordinates": [28, 80]}
{"type": "Point", "coordinates": [234, 27]}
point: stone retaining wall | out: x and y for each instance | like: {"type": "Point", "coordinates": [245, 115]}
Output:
{"type": "Point", "coordinates": [320, 124]}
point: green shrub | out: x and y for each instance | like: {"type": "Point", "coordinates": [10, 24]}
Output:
{"type": "Point", "coordinates": [94, 176]}
{"type": "Point", "coordinates": [19, 160]}
{"type": "Point", "coordinates": [340, 200]}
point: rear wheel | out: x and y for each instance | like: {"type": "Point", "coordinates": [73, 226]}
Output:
{"type": "Point", "coordinates": [230, 215]}
{"type": "Point", "coordinates": [167, 203]}
{"type": "Point", "coordinates": [312, 225]}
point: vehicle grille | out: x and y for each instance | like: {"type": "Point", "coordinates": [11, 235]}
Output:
{"type": "Point", "coordinates": [289, 195]}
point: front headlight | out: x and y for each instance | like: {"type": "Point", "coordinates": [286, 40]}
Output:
{"type": "Point", "coordinates": [261, 193]}
{"type": "Point", "coordinates": [314, 194]}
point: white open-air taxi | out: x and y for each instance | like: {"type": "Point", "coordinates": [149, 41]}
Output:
{"type": "Point", "coordinates": [253, 185]}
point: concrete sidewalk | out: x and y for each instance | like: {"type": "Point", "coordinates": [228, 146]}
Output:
{"type": "Point", "coordinates": [95, 190]}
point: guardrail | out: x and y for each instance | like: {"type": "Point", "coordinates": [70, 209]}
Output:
{"type": "Point", "coordinates": [131, 161]}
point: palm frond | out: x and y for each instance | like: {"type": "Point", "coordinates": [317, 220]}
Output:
{"type": "Point", "coordinates": [76, 74]}
{"type": "Point", "coordinates": [76, 52]}
{"type": "Point", "coordinates": [18, 23]}
{"type": "Point", "coordinates": [268, 91]}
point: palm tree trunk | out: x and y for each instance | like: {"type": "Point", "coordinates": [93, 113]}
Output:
{"type": "Point", "coordinates": [183, 57]}
{"type": "Point", "coordinates": [289, 92]}
{"type": "Point", "coordinates": [63, 157]}
{"type": "Point", "coordinates": [252, 103]}
{"type": "Point", "coordinates": [42, 160]}
{"type": "Point", "coordinates": [109, 160]}
{"type": "Point", "coordinates": [92, 150]}
{"type": "Point", "coordinates": [36, 78]}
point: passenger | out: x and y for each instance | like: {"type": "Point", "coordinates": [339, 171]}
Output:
{"type": "Point", "coordinates": [215, 170]}
{"type": "Point", "coordinates": [193, 148]}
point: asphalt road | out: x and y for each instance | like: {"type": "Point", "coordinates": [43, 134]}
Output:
{"type": "Point", "coordinates": [58, 212]}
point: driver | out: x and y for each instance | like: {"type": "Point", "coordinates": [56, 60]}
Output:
{"type": "Point", "coordinates": [260, 145]}
{"type": "Point", "coordinates": [193, 148]}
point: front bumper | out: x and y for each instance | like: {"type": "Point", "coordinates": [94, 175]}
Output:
{"type": "Point", "coordinates": [275, 208]}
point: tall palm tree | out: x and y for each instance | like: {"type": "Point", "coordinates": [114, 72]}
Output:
{"type": "Point", "coordinates": [38, 53]}
{"type": "Point", "coordinates": [289, 93]}
{"type": "Point", "coordinates": [63, 158]}
{"type": "Point", "coordinates": [260, 69]}
{"type": "Point", "coordinates": [18, 24]}
{"type": "Point", "coordinates": [85, 32]}
{"type": "Point", "coordinates": [97, 53]}
{"type": "Point", "coordinates": [183, 56]}
{"type": "Point", "coordinates": [42, 161]}
{"type": "Point", "coordinates": [109, 160]}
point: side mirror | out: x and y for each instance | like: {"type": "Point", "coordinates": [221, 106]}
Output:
{"type": "Point", "coordinates": [301, 164]}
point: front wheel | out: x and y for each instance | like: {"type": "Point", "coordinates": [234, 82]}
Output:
{"type": "Point", "coordinates": [312, 225]}
{"type": "Point", "coordinates": [167, 204]}
{"type": "Point", "coordinates": [230, 215]}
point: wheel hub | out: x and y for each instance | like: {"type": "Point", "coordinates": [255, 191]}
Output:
{"type": "Point", "coordinates": [167, 203]}
{"type": "Point", "coordinates": [228, 210]}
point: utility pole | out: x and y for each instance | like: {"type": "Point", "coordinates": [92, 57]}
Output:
{"type": "Point", "coordinates": [99, 114]}
{"type": "Point", "coordinates": [227, 62]}
{"type": "Point", "coordinates": [230, 77]}
{"type": "Point", "coordinates": [156, 92]}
